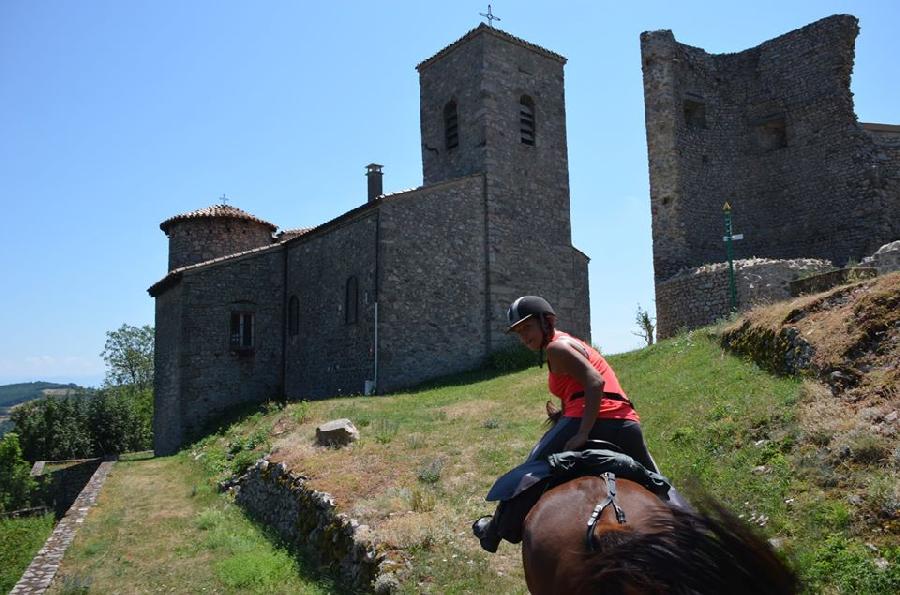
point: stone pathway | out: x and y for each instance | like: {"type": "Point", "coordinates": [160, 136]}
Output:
{"type": "Point", "coordinates": [40, 572]}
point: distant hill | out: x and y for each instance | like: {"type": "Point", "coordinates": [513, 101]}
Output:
{"type": "Point", "coordinates": [13, 394]}
{"type": "Point", "coordinates": [16, 394]}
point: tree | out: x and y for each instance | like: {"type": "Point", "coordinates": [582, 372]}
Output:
{"type": "Point", "coordinates": [128, 354]}
{"type": "Point", "coordinates": [16, 483]}
{"type": "Point", "coordinates": [646, 325]}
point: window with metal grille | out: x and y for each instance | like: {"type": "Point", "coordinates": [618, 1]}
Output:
{"type": "Point", "coordinates": [451, 125]}
{"type": "Point", "coordinates": [241, 337]}
{"type": "Point", "coordinates": [526, 120]}
{"type": "Point", "coordinates": [293, 316]}
{"type": "Point", "coordinates": [351, 301]}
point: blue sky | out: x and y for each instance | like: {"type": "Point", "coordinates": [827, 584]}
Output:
{"type": "Point", "coordinates": [117, 115]}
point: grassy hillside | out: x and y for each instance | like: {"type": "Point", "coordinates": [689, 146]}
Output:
{"type": "Point", "coordinates": [425, 459]}
{"type": "Point", "coordinates": [13, 394]}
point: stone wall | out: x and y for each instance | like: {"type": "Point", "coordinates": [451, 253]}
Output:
{"type": "Point", "coordinates": [702, 296]}
{"type": "Point", "coordinates": [307, 518]}
{"type": "Point", "coordinates": [772, 130]}
{"type": "Point", "coordinates": [168, 432]}
{"type": "Point", "coordinates": [886, 259]}
{"type": "Point", "coordinates": [204, 374]}
{"type": "Point", "coordinates": [192, 241]}
{"type": "Point", "coordinates": [330, 356]}
{"type": "Point", "coordinates": [432, 278]}
{"type": "Point", "coordinates": [828, 279]}
{"type": "Point", "coordinates": [61, 486]}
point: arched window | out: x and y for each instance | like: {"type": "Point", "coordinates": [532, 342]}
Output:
{"type": "Point", "coordinates": [451, 125]}
{"type": "Point", "coordinates": [293, 316]}
{"type": "Point", "coordinates": [351, 301]}
{"type": "Point", "coordinates": [526, 120]}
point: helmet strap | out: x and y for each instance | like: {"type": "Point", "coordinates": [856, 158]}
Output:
{"type": "Point", "coordinates": [547, 335]}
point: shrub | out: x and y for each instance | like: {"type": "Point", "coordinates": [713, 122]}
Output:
{"type": "Point", "coordinates": [16, 483]}
{"type": "Point", "coordinates": [385, 430]}
{"type": "Point", "coordinates": [431, 471]}
{"type": "Point", "coordinates": [511, 359]}
{"type": "Point", "coordinates": [243, 461]}
{"type": "Point", "coordinates": [422, 500]}
{"type": "Point", "coordinates": [300, 412]}
{"type": "Point", "coordinates": [87, 424]}
{"type": "Point", "coordinates": [868, 448]}
{"type": "Point", "coordinates": [490, 424]}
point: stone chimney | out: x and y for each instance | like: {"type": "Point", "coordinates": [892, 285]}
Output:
{"type": "Point", "coordinates": [373, 172]}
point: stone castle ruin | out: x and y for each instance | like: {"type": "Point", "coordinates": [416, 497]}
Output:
{"type": "Point", "coordinates": [772, 131]}
{"type": "Point", "coordinates": [401, 289]}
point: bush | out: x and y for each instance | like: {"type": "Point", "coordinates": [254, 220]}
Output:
{"type": "Point", "coordinates": [511, 359]}
{"type": "Point", "coordinates": [16, 483]}
{"type": "Point", "coordinates": [431, 471]}
{"type": "Point", "coordinates": [88, 424]}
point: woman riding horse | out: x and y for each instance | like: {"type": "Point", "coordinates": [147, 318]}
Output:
{"type": "Point", "coordinates": [594, 407]}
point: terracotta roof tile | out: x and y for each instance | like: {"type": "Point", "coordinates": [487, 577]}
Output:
{"type": "Point", "coordinates": [215, 212]}
{"type": "Point", "coordinates": [286, 234]}
{"type": "Point", "coordinates": [482, 28]}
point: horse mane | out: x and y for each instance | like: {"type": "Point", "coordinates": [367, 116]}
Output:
{"type": "Point", "coordinates": [710, 551]}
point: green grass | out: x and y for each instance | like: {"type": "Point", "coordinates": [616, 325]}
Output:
{"type": "Point", "coordinates": [20, 540]}
{"type": "Point", "coordinates": [426, 457]}
{"type": "Point", "coordinates": [159, 526]}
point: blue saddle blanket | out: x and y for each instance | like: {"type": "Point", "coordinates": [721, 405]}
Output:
{"type": "Point", "coordinates": [561, 467]}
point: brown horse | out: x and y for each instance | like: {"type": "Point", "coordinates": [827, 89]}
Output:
{"type": "Point", "coordinates": [658, 549]}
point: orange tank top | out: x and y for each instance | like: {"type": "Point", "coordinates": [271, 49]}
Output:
{"type": "Point", "coordinates": [615, 403]}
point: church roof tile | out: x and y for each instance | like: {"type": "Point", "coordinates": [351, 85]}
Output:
{"type": "Point", "coordinates": [215, 212]}
{"type": "Point", "coordinates": [482, 28]}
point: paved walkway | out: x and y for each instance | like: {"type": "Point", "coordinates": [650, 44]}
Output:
{"type": "Point", "coordinates": [40, 572]}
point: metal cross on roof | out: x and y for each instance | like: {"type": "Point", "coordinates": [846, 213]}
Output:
{"type": "Point", "coordinates": [224, 199]}
{"type": "Point", "coordinates": [490, 17]}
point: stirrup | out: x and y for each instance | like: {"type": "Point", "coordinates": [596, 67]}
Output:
{"type": "Point", "coordinates": [479, 527]}
{"type": "Point", "coordinates": [488, 539]}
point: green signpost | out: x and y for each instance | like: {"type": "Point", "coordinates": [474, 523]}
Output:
{"type": "Point", "coordinates": [728, 239]}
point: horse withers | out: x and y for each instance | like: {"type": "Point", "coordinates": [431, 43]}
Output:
{"type": "Point", "coordinates": [652, 547]}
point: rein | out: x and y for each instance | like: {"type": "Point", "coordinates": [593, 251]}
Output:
{"type": "Point", "coordinates": [598, 510]}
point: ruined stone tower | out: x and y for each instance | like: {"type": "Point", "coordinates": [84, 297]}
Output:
{"type": "Point", "coordinates": [772, 131]}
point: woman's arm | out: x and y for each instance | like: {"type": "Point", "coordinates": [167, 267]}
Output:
{"type": "Point", "coordinates": [564, 359]}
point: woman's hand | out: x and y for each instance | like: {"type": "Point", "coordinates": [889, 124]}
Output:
{"type": "Point", "coordinates": [576, 441]}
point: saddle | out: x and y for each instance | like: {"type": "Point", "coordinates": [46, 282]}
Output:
{"type": "Point", "coordinates": [597, 457]}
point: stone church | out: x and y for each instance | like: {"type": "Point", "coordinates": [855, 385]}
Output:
{"type": "Point", "coordinates": [405, 287]}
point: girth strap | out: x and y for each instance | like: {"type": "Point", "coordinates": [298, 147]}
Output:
{"type": "Point", "coordinates": [598, 510]}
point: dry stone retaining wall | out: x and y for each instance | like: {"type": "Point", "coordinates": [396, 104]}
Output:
{"type": "Point", "coordinates": [307, 518]}
{"type": "Point", "coordinates": [701, 296]}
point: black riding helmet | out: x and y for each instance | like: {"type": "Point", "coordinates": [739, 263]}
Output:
{"type": "Point", "coordinates": [525, 307]}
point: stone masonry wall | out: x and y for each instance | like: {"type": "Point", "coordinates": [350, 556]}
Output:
{"type": "Point", "coordinates": [213, 376]}
{"type": "Point", "coordinates": [192, 241]}
{"type": "Point", "coordinates": [771, 130]}
{"type": "Point", "coordinates": [432, 315]}
{"type": "Point", "coordinates": [167, 422]}
{"type": "Point", "coordinates": [307, 518]}
{"type": "Point", "coordinates": [701, 296]}
{"type": "Point", "coordinates": [886, 259]}
{"type": "Point", "coordinates": [455, 77]}
{"type": "Point", "coordinates": [329, 356]}
{"type": "Point", "coordinates": [527, 186]}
